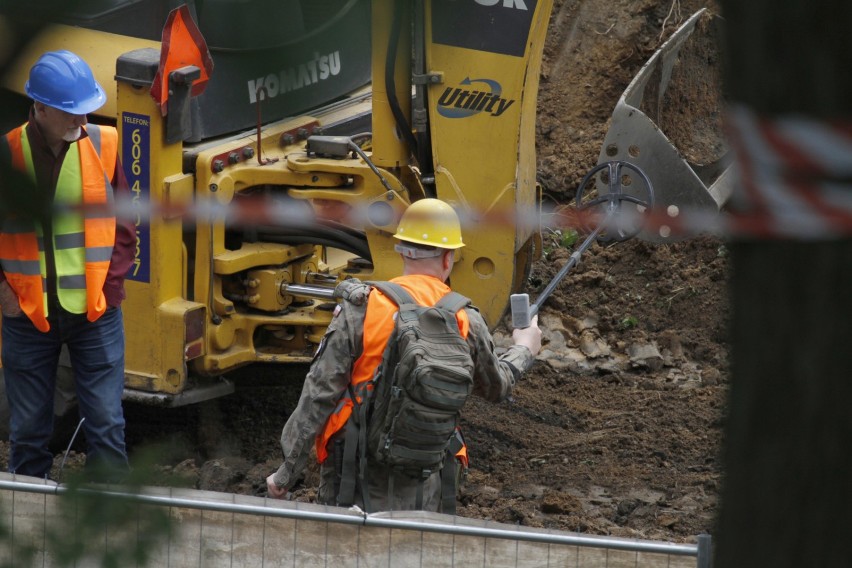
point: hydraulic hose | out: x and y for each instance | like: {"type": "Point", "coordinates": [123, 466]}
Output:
{"type": "Point", "coordinates": [353, 242]}
{"type": "Point", "coordinates": [302, 239]}
{"type": "Point", "coordinates": [390, 84]}
{"type": "Point", "coordinates": [337, 232]}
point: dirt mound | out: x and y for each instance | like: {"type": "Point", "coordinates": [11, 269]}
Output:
{"type": "Point", "coordinates": [619, 431]}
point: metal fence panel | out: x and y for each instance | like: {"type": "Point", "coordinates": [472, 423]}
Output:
{"type": "Point", "coordinates": [213, 530]}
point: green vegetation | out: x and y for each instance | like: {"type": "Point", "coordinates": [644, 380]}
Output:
{"type": "Point", "coordinates": [628, 322]}
{"type": "Point", "coordinates": [559, 238]}
{"type": "Point", "coordinates": [95, 524]}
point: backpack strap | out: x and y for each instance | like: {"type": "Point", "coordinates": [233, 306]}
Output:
{"type": "Point", "coordinates": [349, 466]}
{"type": "Point", "coordinates": [453, 302]}
{"type": "Point", "coordinates": [354, 467]}
{"type": "Point", "coordinates": [394, 291]}
{"type": "Point", "coordinates": [448, 485]}
{"type": "Point", "coordinates": [353, 291]}
{"type": "Point", "coordinates": [362, 461]}
{"type": "Point", "coordinates": [452, 473]}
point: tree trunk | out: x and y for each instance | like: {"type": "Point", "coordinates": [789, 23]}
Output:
{"type": "Point", "coordinates": [791, 56]}
{"type": "Point", "coordinates": [788, 452]}
{"type": "Point", "coordinates": [788, 442]}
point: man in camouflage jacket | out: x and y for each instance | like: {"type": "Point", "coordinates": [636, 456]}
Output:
{"type": "Point", "coordinates": [327, 383]}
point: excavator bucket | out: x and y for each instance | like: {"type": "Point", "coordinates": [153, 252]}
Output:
{"type": "Point", "coordinates": [683, 154]}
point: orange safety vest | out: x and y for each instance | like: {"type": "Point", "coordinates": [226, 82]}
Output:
{"type": "Point", "coordinates": [20, 251]}
{"type": "Point", "coordinates": [379, 323]}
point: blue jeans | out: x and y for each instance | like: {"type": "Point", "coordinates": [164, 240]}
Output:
{"type": "Point", "coordinates": [30, 360]}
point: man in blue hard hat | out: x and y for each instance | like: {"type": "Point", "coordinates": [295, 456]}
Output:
{"type": "Point", "coordinates": [63, 268]}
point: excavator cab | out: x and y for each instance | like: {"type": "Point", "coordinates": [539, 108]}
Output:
{"type": "Point", "coordinates": [288, 56]}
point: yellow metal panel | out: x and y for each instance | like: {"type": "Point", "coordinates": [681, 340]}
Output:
{"type": "Point", "coordinates": [99, 49]}
{"type": "Point", "coordinates": [178, 193]}
{"type": "Point", "coordinates": [250, 255]}
{"type": "Point", "coordinates": [482, 119]}
{"type": "Point", "coordinates": [156, 283]}
{"type": "Point", "coordinates": [389, 150]}
{"type": "Point", "coordinates": [476, 155]}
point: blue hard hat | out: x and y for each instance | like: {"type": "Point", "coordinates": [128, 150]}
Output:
{"type": "Point", "coordinates": [62, 80]}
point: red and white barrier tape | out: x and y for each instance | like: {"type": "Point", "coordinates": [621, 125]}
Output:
{"type": "Point", "coordinates": [794, 176]}
{"type": "Point", "coordinates": [793, 179]}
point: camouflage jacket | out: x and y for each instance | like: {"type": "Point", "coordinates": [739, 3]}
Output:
{"type": "Point", "coordinates": [326, 382]}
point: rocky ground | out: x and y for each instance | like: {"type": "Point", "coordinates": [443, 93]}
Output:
{"type": "Point", "coordinates": [617, 429]}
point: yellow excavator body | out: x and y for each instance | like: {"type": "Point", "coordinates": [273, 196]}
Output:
{"type": "Point", "coordinates": [367, 105]}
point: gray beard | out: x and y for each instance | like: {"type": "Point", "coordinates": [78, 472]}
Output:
{"type": "Point", "coordinates": [72, 136]}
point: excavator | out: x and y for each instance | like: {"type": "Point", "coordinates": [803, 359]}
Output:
{"type": "Point", "coordinates": [271, 147]}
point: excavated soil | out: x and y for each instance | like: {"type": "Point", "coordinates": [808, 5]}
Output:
{"type": "Point", "coordinates": [617, 429]}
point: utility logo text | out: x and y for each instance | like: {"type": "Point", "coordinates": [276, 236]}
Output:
{"type": "Point", "coordinates": [468, 100]}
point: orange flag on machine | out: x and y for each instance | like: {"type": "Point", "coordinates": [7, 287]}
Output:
{"type": "Point", "coordinates": [182, 45]}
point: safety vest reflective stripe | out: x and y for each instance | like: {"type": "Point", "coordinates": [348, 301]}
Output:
{"type": "Point", "coordinates": [73, 240]}
{"type": "Point", "coordinates": [17, 226]}
{"type": "Point", "coordinates": [83, 241]}
{"type": "Point", "coordinates": [25, 267]}
{"type": "Point", "coordinates": [98, 254]}
{"type": "Point", "coordinates": [378, 325]}
{"type": "Point", "coordinates": [75, 282]}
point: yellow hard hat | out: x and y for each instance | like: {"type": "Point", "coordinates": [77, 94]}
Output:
{"type": "Point", "coordinates": [430, 222]}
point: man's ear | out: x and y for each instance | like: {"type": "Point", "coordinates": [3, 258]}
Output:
{"type": "Point", "coordinates": [447, 258]}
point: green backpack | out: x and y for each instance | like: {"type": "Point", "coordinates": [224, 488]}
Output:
{"type": "Point", "coordinates": [409, 421]}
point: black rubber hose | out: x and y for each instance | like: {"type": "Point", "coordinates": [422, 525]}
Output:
{"type": "Point", "coordinates": [329, 232]}
{"type": "Point", "coordinates": [390, 84]}
{"type": "Point", "coordinates": [363, 252]}
{"type": "Point", "coordinates": [354, 243]}
{"type": "Point", "coordinates": [334, 225]}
